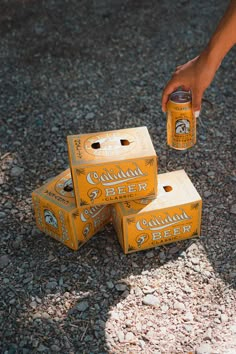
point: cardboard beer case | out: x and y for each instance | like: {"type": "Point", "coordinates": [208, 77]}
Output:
{"type": "Point", "coordinates": [175, 214]}
{"type": "Point", "coordinates": [57, 215]}
{"type": "Point", "coordinates": [112, 166]}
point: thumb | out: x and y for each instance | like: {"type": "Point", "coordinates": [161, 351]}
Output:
{"type": "Point", "coordinates": [196, 102]}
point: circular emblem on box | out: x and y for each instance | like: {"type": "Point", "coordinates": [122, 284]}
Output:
{"type": "Point", "coordinates": [50, 218]}
{"type": "Point", "coordinates": [110, 144]}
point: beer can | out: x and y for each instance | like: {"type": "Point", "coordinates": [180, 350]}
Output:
{"type": "Point", "coordinates": [181, 122]}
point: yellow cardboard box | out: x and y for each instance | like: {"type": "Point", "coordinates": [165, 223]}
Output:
{"type": "Point", "coordinates": [112, 166]}
{"type": "Point", "coordinates": [57, 215]}
{"type": "Point", "coordinates": [175, 214]}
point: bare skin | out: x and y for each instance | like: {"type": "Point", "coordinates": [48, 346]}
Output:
{"type": "Point", "coordinates": [197, 74]}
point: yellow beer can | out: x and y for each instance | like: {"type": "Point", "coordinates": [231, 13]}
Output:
{"type": "Point", "coordinates": [181, 122]}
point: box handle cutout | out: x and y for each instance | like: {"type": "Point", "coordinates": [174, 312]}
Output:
{"type": "Point", "coordinates": [96, 145]}
{"type": "Point", "coordinates": [124, 142]}
{"type": "Point", "coordinates": [167, 188]}
{"type": "Point", "coordinates": [68, 188]}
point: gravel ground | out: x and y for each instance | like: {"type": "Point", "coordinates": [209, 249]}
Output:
{"type": "Point", "coordinates": [70, 66]}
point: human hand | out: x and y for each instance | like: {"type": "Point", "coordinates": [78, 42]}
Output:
{"type": "Point", "coordinates": [195, 76]}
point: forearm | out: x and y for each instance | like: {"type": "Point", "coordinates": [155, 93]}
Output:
{"type": "Point", "coordinates": [223, 39]}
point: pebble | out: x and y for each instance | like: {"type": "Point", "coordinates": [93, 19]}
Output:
{"type": "Point", "coordinates": [195, 260]}
{"type": "Point", "coordinates": [207, 194]}
{"type": "Point", "coordinates": [51, 285]}
{"type": "Point", "coordinates": [150, 254]}
{"type": "Point", "coordinates": [33, 304]}
{"type": "Point", "coordinates": [233, 329]}
{"type": "Point", "coordinates": [54, 129]}
{"type": "Point", "coordinates": [224, 317]}
{"type": "Point", "coordinates": [179, 306]}
{"type": "Point", "coordinates": [233, 209]}
{"type": "Point", "coordinates": [188, 316]}
{"type": "Point", "coordinates": [121, 287]}
{"type": "Point", "coordinates": [42, 348]}
{"type": "Point", "coordinates": [204, 348]}
{"type": "Point", "coordinates": [2, 215]}
{"type": "Point", "coordinates": [129, 336]}
{"type": "Point", "coordinates": [55, 348]}
{"type": "Point", "coordinates": [120, 336]}
{"type": "Point", "coordinates": [208, 334]}
{"type": "Point", "coordinates": [16, 171]}
{"type": "Point", "coordinates": [110, 285]}
{"type": "Point", "coordinates": [4, 260]}
{"type": "Point", "coordinates": [164, 308]}
{"type": "Point", "coordinates": [82, 306]}
{"type": "Point", "coordinates": [151, 300]}
{"type": "Point", "coordinates": [90, 115]}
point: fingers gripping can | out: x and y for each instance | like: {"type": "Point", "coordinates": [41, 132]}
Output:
{"type": "Point", "coordinates": [181, 122]}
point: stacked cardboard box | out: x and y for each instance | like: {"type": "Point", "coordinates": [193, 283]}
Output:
{"type": "Point", "coordinates": [113, 175]}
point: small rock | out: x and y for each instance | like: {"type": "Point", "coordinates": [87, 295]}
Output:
{"type": "Point", "coordinates": [120, 336]}
{"type": "Point", "coordinates": [2, 215]}
{"type": "Point", "coordinates": [121, 287]}
{"type": "Point", "coordinates": [4, 260]}
{"type": "Point", "coordinates": [208, 334]}
{"type": "Point", "coordinates": [54, 129]}
{"type": "Point", "coordinates": [36, 315]}
{"type": "Point", "coordinates": [162, 256]}
{"type": "Point", "coordinates": [55, 348]}
{"type": "Point", "coordinates": [188, 316]}
{"type": "Point", "coordinates": [110, 285]}
{"type": "Point", "coordinates": [151, 300]}
{"type": "Point", "coordinates": [17, 243]}
{"type": "Point", "coordinates": [148, 290]}
{"type": "Point", "coordinates": [82, 306]}
{"type": "Point", "coordinates": [45, 315]}
{"type": "Point", "coordinates": [42, 348]}
{"type": "Point", "coordinates": [207, 194]}
{"type": "Point", "coordinates": [150, 254]}
{"type": "Point", "coordinates": [179, 306]}
{"type": "Point", "coordinates": [195, 260]}
{"type": "Point", "coordinates": [142, 343]}
{"type": "Point", "coordinates": [173, 250]}
{"type": "Point", "coordinates": [233, 209]}
{"type": "Point", "coordinates": [233, 329]}
{"type": "Point", "coordinates": [90, 115]}
{"type": "Point", "coordinates": [16, 171]}
{"type": "Point", "coordinates": [188, 328]}
{"type": "Point", "coordinates": [224, 317]}
{"type": "Point", "coordinates": [33, 304]}
{"type": "Point", "coordinates": [138, 291]}
{"type": "Point", "coordinates": [164, 308]}
{"type": "Point", "coordinates": [129, 336]}
{"type": "Point", "coordinates": [204, 348]}
{"type": "Point", "coordinates": [51, 285]}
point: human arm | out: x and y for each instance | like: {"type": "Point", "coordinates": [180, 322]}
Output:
{"type": "Point", "coordinates": [197, 74]}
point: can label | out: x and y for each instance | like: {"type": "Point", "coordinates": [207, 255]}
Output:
{"type": "Point", "coordinates": [181, 123]}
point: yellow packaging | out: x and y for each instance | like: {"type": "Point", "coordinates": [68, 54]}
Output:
{"type": "Point", "coordinates": [175, 214]}
{"type": "Point", "coordinates": [112, 166]}
{"type": "Point", "coordinates": [57, 215]}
